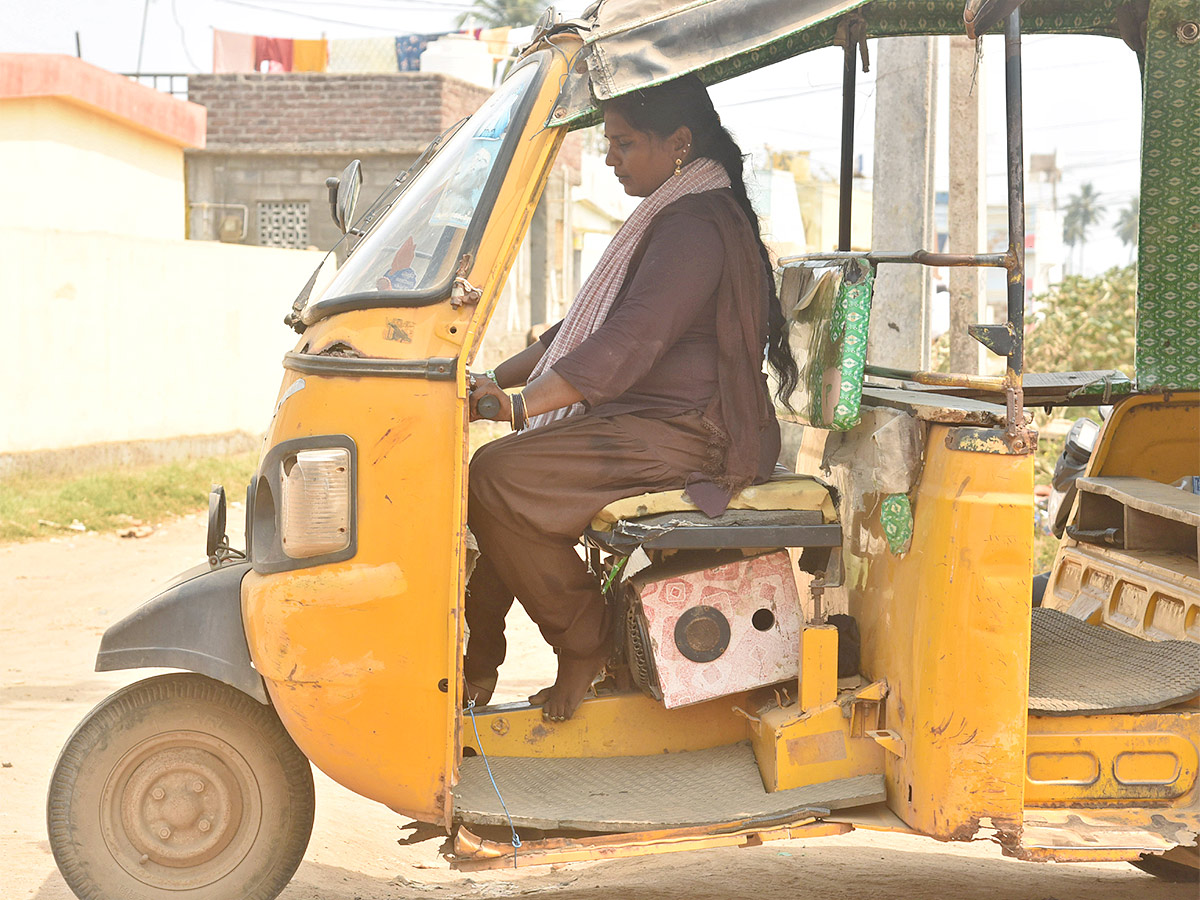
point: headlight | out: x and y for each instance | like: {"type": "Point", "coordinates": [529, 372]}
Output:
{"type": "Point", "coordinates": [315, 502]}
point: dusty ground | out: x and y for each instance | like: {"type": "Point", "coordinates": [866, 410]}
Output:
{"type": "Point", "coordinates": [56, 598]}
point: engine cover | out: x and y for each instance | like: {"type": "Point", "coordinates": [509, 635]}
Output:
{"type": "Point", "coordinates": [723, 630]}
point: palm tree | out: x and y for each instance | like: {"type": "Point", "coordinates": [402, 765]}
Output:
{"type": "Point", "coordinates": [1127, 225]}
{"type": "Point", "coordinates": [1083, 211]}
{"type": "Point", "coordinates": [498, 13]}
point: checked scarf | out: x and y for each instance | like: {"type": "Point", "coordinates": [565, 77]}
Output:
{"type": "Point", "coordinates": [595, 298]}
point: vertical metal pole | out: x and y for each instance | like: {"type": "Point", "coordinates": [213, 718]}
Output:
{"type": "Point", "coordinates": [1019, 438]}
{"type": "Point", "coordinates": [1016, 189]}
{"type": "Point", "coordinates": [846, 182]}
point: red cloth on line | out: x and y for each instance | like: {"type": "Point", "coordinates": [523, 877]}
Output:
{"type": "Point", "coordinates": [277, 52]}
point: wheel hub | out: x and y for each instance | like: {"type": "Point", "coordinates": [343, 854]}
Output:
{"type": "Point", "coordinates": [182, 810]}
{"type": "Point", "coordinates": [181, 807]}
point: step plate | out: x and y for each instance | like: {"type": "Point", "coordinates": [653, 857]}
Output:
{"type": "Point", "coordinates": [1076, 668]}
{"type": "Point", "coordinates": [640, 793]}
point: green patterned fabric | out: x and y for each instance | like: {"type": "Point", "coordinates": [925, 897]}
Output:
{"type": "Point", "coordinates": [1168, 314]}
{"type": "Point", "coordinates": [895, 515]}
{"type": "Point", "coordinates": [830, 341]}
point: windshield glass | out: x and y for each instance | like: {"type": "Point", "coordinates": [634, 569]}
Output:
{"type": "Point", "coordinates": [417, 243]}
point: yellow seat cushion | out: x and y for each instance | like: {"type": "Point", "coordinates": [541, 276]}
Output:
{"type": "Point", "coordinates": [783, 492]}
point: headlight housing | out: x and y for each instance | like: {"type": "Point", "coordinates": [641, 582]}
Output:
{"type": "Point", "coordinates": [314, 510]}
{"type": "Point", "coordinates": [304, 509]}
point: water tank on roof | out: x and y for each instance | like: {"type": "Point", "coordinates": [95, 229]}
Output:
{"type": "Point", "coordinates": [459, 55]}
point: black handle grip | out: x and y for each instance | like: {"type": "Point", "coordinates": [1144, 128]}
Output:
{"type": "Point", "coordinates": [488, 407]}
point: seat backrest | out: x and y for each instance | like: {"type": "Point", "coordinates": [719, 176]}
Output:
{"type": "Point", "coordinates": [830, 303]}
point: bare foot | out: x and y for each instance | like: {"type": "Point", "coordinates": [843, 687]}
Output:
{"type": "Point", "coordinates": [575, 676]}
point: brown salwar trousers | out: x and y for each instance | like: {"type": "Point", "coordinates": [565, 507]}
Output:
{"type": "Point", "coordinates": [530, 497]}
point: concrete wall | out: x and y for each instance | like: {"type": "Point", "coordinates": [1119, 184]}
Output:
{"type": "Point", "coordinates": [118, 338]}
{"type": "Point", "coordinates": [318, 110]}
{"type": "Point", "coordinates": [69, 167]}
{"type": "Point", "coordinates": [223, 183]}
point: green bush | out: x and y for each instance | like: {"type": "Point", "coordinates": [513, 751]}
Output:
{"type": "Point", "coordinates": [1084, 324]}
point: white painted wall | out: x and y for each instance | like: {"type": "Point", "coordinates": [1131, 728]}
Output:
{"type": "Point", "coordinates": [121, 338]}
{"type": "Point", "coordinates": [72, 168]}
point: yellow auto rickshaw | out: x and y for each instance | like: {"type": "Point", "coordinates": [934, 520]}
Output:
{"type": "Point", "coordinates": [865, 655]}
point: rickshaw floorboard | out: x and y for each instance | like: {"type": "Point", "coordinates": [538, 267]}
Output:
{"type": "Point", "coordinates": [1080, 669]}
{"type": "Point", "coordinates": [639, 793]}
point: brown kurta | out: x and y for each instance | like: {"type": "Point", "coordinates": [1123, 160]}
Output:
{"type": "Point", "coordinates": [650, 375]}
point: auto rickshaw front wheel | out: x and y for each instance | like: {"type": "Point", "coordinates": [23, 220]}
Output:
{"type": "Point", "coordinates": [180, 787]}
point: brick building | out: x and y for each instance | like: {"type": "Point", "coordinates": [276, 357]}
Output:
{"type": "Point", "coordinates": [274, 139]}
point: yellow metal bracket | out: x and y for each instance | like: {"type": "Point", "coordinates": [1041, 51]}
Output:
{"type": "Point", "coordinates": [889, 740]}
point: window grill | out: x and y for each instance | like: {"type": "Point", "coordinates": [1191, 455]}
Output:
{"type": "Point", "coordinates": [283, 224]}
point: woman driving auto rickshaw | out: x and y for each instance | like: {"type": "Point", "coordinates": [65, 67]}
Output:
{"type": "Point", "coordinates": [653, 382]}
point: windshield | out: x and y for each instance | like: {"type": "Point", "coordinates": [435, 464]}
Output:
{"type": "Point", "coordinates": [416, 245]}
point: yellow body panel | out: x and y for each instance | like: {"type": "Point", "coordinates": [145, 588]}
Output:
{"type": "Point", "coordinates": [1150, 436]}
{"type": "Point", "coordinates": [362, 658]}
{"type": "Point", "coordinates": [947, 626]}
{"type": "Point", "coordinates": [1147, 759]}
{"type": "Point", "coordinates": [621, 725]}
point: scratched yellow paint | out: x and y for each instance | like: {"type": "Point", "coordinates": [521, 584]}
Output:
{"type": "Point", "coordinates": [353, 652]}
{"type": "Point", "coordinates": [947, 626]}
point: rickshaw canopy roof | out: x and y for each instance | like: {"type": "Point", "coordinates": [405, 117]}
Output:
{"type": "Point", "coordinates": [635, 44]}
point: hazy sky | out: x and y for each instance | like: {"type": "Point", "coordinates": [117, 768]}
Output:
{"type": "Point", "coordinates": [1081, 94]}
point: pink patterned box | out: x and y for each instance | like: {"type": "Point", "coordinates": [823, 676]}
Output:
{"type": "Point", "coordinates": [724, 630]}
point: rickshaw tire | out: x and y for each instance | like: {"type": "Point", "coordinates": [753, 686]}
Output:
{"type": "Point", "coordinates": [180, 787]}
{"type": "Point", "coordinates": [1178, 866]}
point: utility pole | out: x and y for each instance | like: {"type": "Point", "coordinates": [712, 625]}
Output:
{"type": "Point", "coordinates": [967, 212]}
{"type": "Point", "coordinates": [902, 203]}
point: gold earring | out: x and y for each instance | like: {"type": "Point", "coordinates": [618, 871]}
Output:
{"type": "Point", "coordinates": [678, 164]}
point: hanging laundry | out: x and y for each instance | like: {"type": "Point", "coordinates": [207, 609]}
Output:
{"type": "Point", "coordinates": [275, 53]}
{"type": "Point", "coordinates": [362, 55]}
{"type": "Point", "coordinates": [232, 51]}
{"type": "Point", "coordinates": [310, 56]}
{"type": "Point", "coordinates": [409, 48]}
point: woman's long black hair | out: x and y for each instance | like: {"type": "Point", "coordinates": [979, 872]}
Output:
{"type": "Point", "coordinates": [684, 102]}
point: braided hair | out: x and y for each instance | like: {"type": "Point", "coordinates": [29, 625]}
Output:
{"type": "Point", "coordinates": [684, 102]}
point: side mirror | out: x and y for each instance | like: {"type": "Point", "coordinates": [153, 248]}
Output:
{"type": "Point", "coordinates": [216, 523]}
{"type": "Point", "coordinates": [343, 194]}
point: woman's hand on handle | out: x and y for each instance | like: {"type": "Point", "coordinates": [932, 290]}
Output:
{"type": "Point", "coordinates": [484, 387]}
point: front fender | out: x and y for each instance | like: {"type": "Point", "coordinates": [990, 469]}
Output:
{"type": "Point", "coordinates": [195, 624]}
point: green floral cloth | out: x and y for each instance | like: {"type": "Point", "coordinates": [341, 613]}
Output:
{"type": "Point", "coordinates": [895, 515]}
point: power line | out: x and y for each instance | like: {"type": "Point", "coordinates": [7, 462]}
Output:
{"type": "Point", "coordinates": [313, 18]}
{"type": "Point", "coordinates": [182, 36]}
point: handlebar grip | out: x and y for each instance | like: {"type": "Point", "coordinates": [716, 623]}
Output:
{"type": "Point", "coordinates": [488, 407]}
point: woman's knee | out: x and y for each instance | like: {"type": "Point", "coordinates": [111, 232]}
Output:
{"type": "Point", "coordinates": [491, 468]}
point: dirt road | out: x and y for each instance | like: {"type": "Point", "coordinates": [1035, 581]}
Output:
{"type": "Point", "coordinates": [56, 598]}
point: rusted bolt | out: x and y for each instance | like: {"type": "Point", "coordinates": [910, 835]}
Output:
{"type": "Point", "coordinates": [1187, 32]}
{"type": "Point", "coordinates": [559, 113]}
{"type": "Point", "coordinates": [164, 832]}
{"type": "Point", "coordinates": [198, 786]}
{"type": "Point", "coordinates": [204, 825]}
{"type": "Point", "coordinates": [158, 793]}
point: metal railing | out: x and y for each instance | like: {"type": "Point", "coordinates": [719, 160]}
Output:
{"type": "Point", "coordinates": [173, 83]}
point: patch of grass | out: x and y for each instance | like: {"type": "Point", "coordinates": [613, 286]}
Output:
{"type": "Point", "coordinates": [33, 506]}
